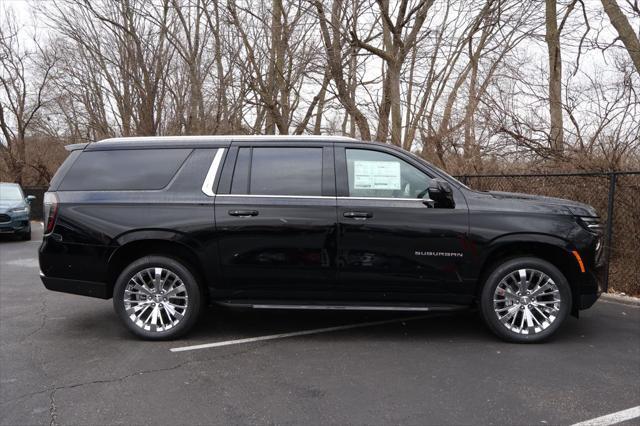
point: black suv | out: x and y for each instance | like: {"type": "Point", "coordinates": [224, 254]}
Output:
{"type": "Point", "coordinates": [165, 225]}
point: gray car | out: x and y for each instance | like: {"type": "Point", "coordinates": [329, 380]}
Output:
{"type": "Point", "coordinates": [14, 211]}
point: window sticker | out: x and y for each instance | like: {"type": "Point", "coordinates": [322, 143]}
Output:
{"type": "Point", "coordinates": [376, 175]}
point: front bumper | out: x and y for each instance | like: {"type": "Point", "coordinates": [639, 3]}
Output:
{"type": "Point", "coordinates": [591, 286]}
{"type": "Point", "coordinates": [17, 223]}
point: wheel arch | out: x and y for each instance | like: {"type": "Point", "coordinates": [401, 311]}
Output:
{"type": "Point", "coordinates": [134, 249]}
{"type": "Point", "coordinates": [553, 249]}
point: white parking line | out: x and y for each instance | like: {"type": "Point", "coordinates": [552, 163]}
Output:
{"type": "Point", "coordinates": [26, 262]}
{"type": "Point", "coordinates": [613, 418]}
{"type": "Point", "coordinates": [293, 334]}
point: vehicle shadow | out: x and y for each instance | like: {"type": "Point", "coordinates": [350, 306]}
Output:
{"type": "Point", "coordinates": [10, 238]}
{"type": "Point", "coordinates": [229, 324]}
{"type": "Point", "coordinates": [218, 324]}
{"type": "Point", "coordinates": [223, 324]}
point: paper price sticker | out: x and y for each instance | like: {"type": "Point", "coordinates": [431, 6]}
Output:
{"type": "Point", "coordinates": [376, 175]}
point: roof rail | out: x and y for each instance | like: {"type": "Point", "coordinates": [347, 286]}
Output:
{"type": "Point", "coordinates": [76, 146]}
{"type": "Point", "coordinates": [213, 138]}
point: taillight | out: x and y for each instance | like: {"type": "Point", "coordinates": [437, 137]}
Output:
{"type": "Point", "coordinates": [50, 210]}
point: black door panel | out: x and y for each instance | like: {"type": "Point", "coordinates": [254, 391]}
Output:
{"type": "Point", "coordinates": [289, 246]}
{"type": "Point", "coordinates": [277, 228]}
{"type": "Point", "coordinates": [402, 247]}
{"type": "Point", "coordinates": [391, 244]}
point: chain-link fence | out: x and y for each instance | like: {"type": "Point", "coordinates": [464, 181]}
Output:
{"type": "Point", "coordinates": [616, 197]}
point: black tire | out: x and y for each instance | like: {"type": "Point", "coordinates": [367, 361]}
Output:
{"type": "Point", "coordinates": [192, 290]}
{"type": "Point", "coordinates": [502, 270]}
{"type": "Point", "coordinates": [26, 235]}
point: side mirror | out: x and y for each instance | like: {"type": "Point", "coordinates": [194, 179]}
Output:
{"type": "Point", "coordinates": [31, 198]}
{"type": "Point", "coordinates": [441, 194]}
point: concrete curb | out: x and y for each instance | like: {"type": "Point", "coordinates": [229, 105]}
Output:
{"type": "Point", "coordinates": [625, 300]}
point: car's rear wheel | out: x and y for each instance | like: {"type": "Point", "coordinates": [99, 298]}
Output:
{"type": "Point", "coordinates": [525, 300]}
{"type": "Point", "coordinates": [157, 298]}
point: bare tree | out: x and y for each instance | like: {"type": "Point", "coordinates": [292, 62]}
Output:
{"type": "Point", "coordinates": [332, 39]}
{"type": "Point", "coordinates": [552, 37]}
{"type": "Point", "coordinates": [459, 83]}
{"type": "Point", "coordinates": [130, 52]}
{"type": "Point", "coordinates": [624, 29]}
{"type": "Point", "coordinates": [399, 36]}
{"type": "Point", "coordinates": [24, 74]}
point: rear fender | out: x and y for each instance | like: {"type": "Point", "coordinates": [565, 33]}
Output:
{"type": "Point", "coordinates": [169, 243]}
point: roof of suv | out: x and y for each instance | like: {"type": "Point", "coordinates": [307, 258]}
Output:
{"type": "Point", "coordinates": [193, 141]}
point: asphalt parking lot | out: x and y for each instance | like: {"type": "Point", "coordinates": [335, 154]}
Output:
{"type": "Point", "coordinates": [67, 360]}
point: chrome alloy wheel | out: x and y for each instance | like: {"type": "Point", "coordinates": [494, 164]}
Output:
{"type": "Point", "coordinates": [526, 301]}
{"type": "Point", "coordinates": [155, 299]}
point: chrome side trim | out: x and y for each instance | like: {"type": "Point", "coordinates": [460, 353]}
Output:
{"type": "Point", "coordinates": [207, 185]}
{"type": "Point", "coordinates": [422, 308]}
{"type": "Point", "coordinates": [345, 308]}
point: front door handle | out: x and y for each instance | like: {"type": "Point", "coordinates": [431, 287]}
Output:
{"type": "Point", "coordinates": [357, 215]}
{"type": "Point", "coordinates": [243, 213]}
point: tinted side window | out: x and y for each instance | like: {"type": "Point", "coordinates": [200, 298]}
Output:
{"type": "Point", "coordinates": [240, 182]}
{"type": "Point", "coordinates": [377, 174]}
{"type": "Point", "coordinates": [133, 169]}
{"type": "Point", "coordinates": [285, 171]}
{"type": "Point", "coordinates": [62, 170]}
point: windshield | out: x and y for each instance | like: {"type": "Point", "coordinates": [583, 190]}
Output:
{"type": "Point", "coordinates": [10, 193]}
{"type": "Point", "coordinates": [438, 169]}
{"type": "Point", "coordinates": [452, 178]}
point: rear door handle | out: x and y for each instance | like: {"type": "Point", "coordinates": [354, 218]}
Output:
{"type": "Point", "coordinates": [243, 213]}
{"type": "Point", "coordinates": [357, 215]}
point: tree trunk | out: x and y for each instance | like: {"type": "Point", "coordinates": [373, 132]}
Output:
{"type": "Point", "coordinates": [396, 112]}
{"type": "Point", "coordinates": [334, 56]}
{"type": "Point", "coordinates": [385, 109]}
{"type": "Point", "coordinates": [469, 119]}
{"type": "Point", "coordinates": [317, 127]}
{"type": "Point", "coordinates": [552, 38]}
{"type": "Point", "coordinates": [280, 91]}
{"type": "Point", "coordinates": [624, 29]}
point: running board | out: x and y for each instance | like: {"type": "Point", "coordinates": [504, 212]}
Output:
{"type": "Point", "coordinates": [340, 307]}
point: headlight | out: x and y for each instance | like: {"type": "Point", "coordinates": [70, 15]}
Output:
{"type": "Point", "coordinates": [19, 210]}
{"type": "Point", "coordinates": [591, 224]}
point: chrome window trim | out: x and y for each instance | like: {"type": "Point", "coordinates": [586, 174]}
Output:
{"type": "Point", "coordinates": [275, 196]}
{"type": "Point", "coordinates": [321, 197]}
{"type": "Point", "coordinates": [207, 185]}
{"type": "Point", "coordinates": [382, 198]}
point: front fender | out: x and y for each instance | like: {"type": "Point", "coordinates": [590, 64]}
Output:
{"type": "Point", "coordinates": [529, 237]}
{"type": "Point", "coordinates": [551, 248]}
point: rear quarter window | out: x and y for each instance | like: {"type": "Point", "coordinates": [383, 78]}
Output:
{"type": "Point", "coordinates": [62, 170]}
{"type": "Point", "coordinates": [132, 169]}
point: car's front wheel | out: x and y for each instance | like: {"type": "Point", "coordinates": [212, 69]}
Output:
{"type": "Point", "coordinates": [157, 298]}
{"type": "Point", "coordinates": [26, 235]}
{"type": "Point", "coordinates": [525, 300]}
